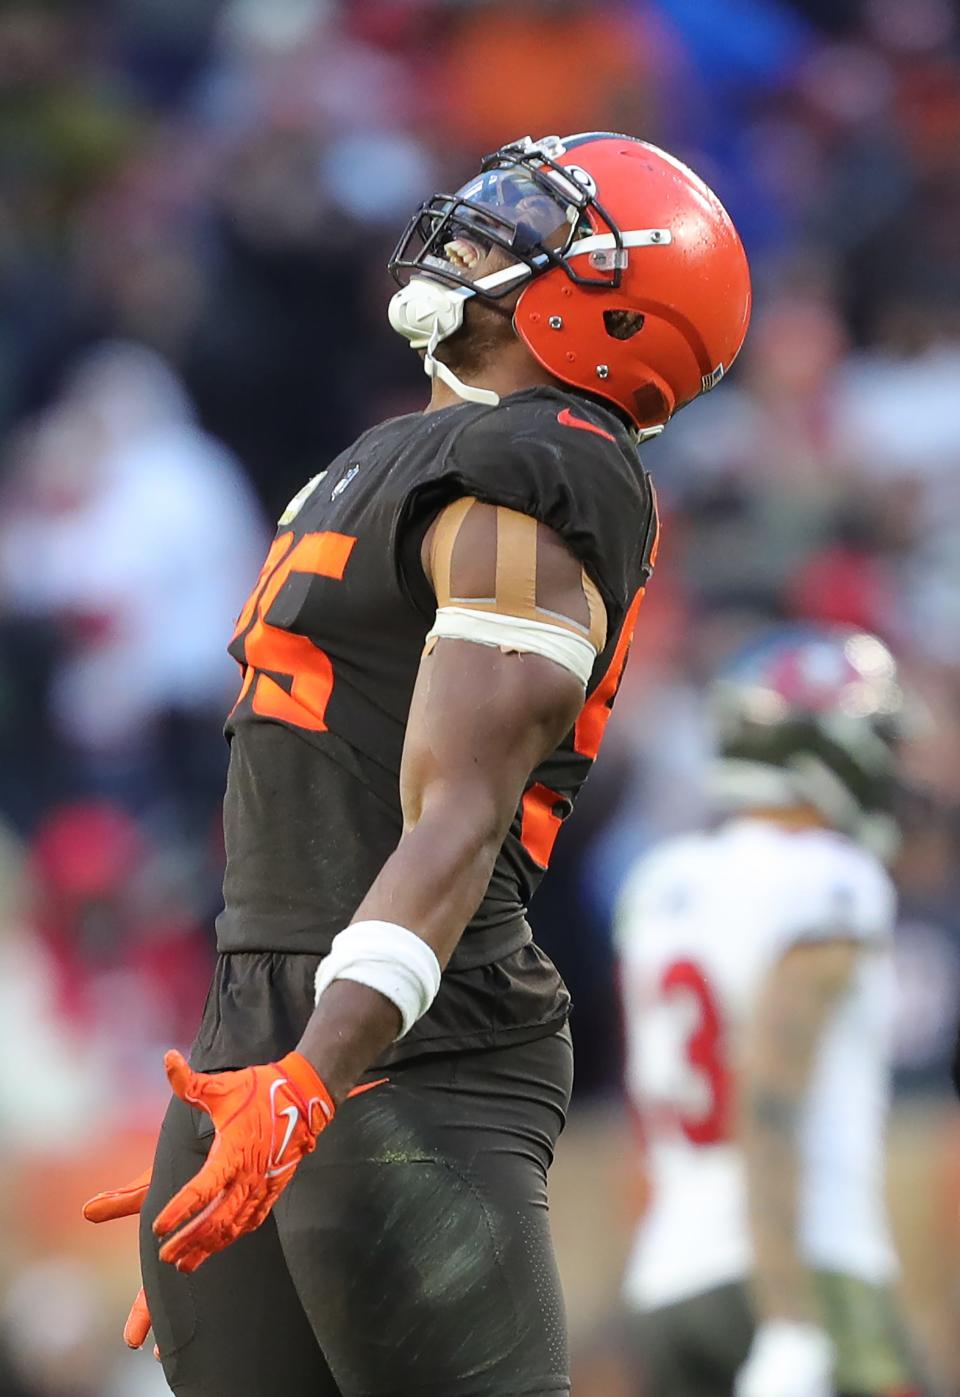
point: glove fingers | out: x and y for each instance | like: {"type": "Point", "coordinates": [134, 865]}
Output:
{"type": "Point", "coordinates": [212, 1230]}
{"type": "Point", "coordinates": [257, 1209]}
{"type": "Point", "coordinates": [118, 1202]}
{"type": "Point", "coordinates": [178, 1247]}
{"type": "Point", "coordinates": [184, 1082]}
{"type": "Point", "coordinates": [195, 1196]}
{"type": "Point", "coordinates": [207, 1090]}
{"type": "Point", "coordinates": [138, 1322]}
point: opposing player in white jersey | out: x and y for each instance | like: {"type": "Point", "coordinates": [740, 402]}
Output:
{"type": "Point", "coordinates": [757, 980]}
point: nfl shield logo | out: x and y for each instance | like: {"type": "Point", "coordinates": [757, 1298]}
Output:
{"type": "Point", "coordinates": [343, 482]}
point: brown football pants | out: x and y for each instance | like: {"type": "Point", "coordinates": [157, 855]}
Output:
{"type": "Point", "coordinates": [410, 1254]}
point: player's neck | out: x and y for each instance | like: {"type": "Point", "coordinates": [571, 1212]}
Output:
{"type": "Point", "coordinates": [511, 370]}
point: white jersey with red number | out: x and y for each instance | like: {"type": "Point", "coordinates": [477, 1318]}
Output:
{"type": "Point", "coordinates": [702, 921]}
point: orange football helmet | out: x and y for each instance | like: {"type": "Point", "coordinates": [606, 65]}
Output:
{"type": "Point", "coordinates": [634, 285]}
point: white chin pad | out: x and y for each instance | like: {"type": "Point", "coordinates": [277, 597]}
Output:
{"type": "Point", "coordinates": [425, 311]}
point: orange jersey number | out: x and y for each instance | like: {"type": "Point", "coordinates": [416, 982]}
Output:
{"type": "Point", "coordinates": [269, 651]}
{"type": "Point", "coordinates": [595, 714]}
{"type": "Point", "coordinates": [541, 812]}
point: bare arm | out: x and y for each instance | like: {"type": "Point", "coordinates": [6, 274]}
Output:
{"type": "Point", "coordinates": [479, 722]}
{"type": "Point", "coordinates": [788, 1023]}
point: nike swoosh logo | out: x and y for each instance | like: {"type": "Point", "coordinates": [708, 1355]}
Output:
{"type": "Point", "coordinates": [292, 1115]}
{"type": "Point", "coordinates": [567, 419]}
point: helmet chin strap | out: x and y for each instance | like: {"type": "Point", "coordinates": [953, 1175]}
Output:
{"type": "Point", "coordinates": [433, 368]}
{"type": "Point", "coordinates": [426, 311]}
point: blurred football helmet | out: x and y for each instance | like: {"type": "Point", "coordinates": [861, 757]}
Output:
{"type": "Point", "coordinates": [634, 283]}
{"type": "Point", "coordinates": [812, 715]}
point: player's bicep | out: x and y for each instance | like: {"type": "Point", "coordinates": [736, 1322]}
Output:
{"type": "Point", "coordinates": [495, 561]}
{"type": "Point", "coordinates": [503, 676]}
{"type": "Point", "coordinates": [479, 722]}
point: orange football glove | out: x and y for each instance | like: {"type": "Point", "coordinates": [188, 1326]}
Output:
{"type": "Point", "coordinates": [266, 1118]}
{"type": "Point", "coordinates": [124, 1203]}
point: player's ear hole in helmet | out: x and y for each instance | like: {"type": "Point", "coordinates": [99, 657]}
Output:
{"type": "Point", "coordinates": [623, 324]}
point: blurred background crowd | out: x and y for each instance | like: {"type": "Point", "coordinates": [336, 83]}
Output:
{"type": "Point", "coordinates": [197, 201]}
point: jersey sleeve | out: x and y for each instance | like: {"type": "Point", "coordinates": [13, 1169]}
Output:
{"type": "Point", "coordinates": [584, 481]}
{"type": "Point", "coordinates": [836, 891]}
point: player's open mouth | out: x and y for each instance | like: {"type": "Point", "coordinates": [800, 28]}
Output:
{"type": "Point", "coordinates": [465, 253]}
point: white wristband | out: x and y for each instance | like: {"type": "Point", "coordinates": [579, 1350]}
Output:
{"type": "Point", "coordinates": [387, 958]}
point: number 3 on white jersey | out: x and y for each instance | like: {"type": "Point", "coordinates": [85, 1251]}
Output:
{"type": "Point", "coordinates": [679, 1079]}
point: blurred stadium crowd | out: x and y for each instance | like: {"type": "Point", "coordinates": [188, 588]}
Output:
{"type": "Point", "coordinates": [197, 200]}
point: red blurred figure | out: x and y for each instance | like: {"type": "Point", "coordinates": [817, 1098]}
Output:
{"type": "Point", "coordinates": [127, 953]}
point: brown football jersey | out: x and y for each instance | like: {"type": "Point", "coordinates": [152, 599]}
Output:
{"type": "Point", "coordinates": [329, 643]}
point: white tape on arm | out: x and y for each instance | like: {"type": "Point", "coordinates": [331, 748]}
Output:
{"type": "Point", "coordinates": [573, 652]}
{"type": "Point", "coordinates": [387, 958]}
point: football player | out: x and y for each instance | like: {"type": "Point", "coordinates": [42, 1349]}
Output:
{"type": "Point", "coordinates": [429, 658]}
{"type": "Point", "coordinates": [757, 984]}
